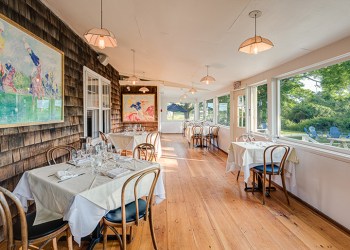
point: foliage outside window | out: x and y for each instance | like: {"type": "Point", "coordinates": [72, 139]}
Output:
{"type": "Point", "coordinates": [97, 104]}
{"type": "Point", "coordinates": [209, 110]}
{"type": "Point", "coordinates": [241, 111]}
{"type": "Point", "coordinates": [224, 110]}
{"type": "Point", "coordinates": [259, 109]}
{"type": "Point", "coordinates": [315, 106]}
{"type": "Point", "coordinates": [201, 111]}
{"type": "Point", "coordinates": [180, 111]}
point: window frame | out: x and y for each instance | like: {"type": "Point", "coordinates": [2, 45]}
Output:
{"type": "Point", "coordinates": [216, 114]}
{"type": "Point", "coordinates": [251, 123]}
{"type": "Point", "coordinates": [101, 81]}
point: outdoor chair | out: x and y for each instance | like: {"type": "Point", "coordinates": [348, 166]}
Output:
{"type": "Point", "coordinates": [334, 132]}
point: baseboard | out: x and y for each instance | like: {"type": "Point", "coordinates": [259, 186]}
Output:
{"type": "Point", "coordinates": [315, 210]}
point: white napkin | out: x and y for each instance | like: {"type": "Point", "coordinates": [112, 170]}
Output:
{"type": "Point", "coordinates": [114, 173]}
{"type": "Point", "coordinates": [64, 175]}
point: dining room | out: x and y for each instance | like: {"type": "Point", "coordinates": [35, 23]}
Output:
{"type": "Point", "coordinates": [124, 126]}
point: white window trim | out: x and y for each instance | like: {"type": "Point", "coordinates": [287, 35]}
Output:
{"type": "Point", "coordinates": [216, 111]}
{"type": "Point", "coordinates": [101, 79]}
{"type": "Point", "coordinates": [250, 104]}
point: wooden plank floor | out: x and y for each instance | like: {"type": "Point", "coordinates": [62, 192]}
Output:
{"type": "Point", "coordinates": [207, 208]}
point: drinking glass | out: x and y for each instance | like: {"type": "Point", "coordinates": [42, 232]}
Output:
{"type": "Point", "coordinates": [118, 152]}
{"type": "Point", "coordinates": [96, 164]}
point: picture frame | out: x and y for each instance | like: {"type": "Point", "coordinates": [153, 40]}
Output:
{"type": "Point", "coordinates": [31, 78]}
{"type": "Point", "coordinates": [138, 108]}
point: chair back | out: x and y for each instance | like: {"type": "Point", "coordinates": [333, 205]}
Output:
{"type": "Point", "coordinates": [214, 130]}
{"type": "Point", "coordinates": [144, 151]}
{"type": "Point", "coordinates": [334, 132]}
{"type": "Point", "coordinates": [197, 131]}
{"type": "Point", "coordinates": [313, 132]}
{"type": "Point", "coordinates": [6, 217]}
{"type": "Point", "coordinates": [103, 137]}
{"type": "Point", "coordinates": [152, 138]}
{"type": "Point", "coordinates": [59, 151]}
{"type": "Point", "coordinates": [136, 179]}
{"type": "Point", "coordinates": [276, 151]}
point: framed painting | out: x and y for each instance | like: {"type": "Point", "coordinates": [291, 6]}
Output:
{"type": "Point", "coordinates": [138, 107]}
{"type": "Point", "coordinates": [31, 78]}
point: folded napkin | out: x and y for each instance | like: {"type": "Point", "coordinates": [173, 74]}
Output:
{"type": "Point", "coordinates": [64, 175]}
{"type": "Point", "coordinates": [114, 173]}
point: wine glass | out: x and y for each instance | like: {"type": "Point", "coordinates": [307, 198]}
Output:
{"type": "Point", "coordinates": [74, 157]}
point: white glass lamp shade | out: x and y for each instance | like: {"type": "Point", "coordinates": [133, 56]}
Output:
{"type": "Point", "coordinates": [208, 79]}
{"type": "Point", "coordinates": [133, 79]}
{"type": "Point", "coordinates": [144, 89]}
{"type": "Point", "coordinates": [255, 45]}
{"type": "Point", "coordinates": [101, 38]}
{"type": "Point", "coordinates": [192, 90]}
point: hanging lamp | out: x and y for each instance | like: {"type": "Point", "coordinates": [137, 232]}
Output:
{"type": "Point", "coordinates": [133, 79]}
{"type": "Point", "coordinates": [255, 44]}
{"type": "Point", "coordinates": [208, 79]}
{"type": "Point", "coordinates": [101, 37]}
{"type": "Point", "coordinates": [192, 90]}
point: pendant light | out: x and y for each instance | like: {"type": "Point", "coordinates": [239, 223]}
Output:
{"type": "Point", "coordinates": [144, 89]}
{"type": "Point", "coordinates": [100, 37]}
{"type": "Point", "coordinates": [255, 44]}
{"type": "Point", "coordinates": [207, 79]}
{"type": "Point", "coordinates": [133, 79]}
{"type": "Point", "coordinates": [192, 90]}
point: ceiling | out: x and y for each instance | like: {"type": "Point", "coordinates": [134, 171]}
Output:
{"type": "Point", "coordinates": [174, 40]}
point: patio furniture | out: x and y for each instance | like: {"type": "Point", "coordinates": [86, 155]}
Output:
{"type": "Point", "coordinates": [311, 134]}
{"type": "Point", "coordinates": [334, 132]}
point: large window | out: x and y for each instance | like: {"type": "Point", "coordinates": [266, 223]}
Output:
{"type": "Point", "coordinates": [224, 110]}
{"type": "Point", "coordinates": [201, 111]}
{"type": "Point", "coordinates": [259, 108]}
{"type": "Point", "coordinates": [315, 106]}
{"type": "Point", "coordinates": [241, 104]}
{"type": "Point", "coordinates": [97, 104]}
{"type": "Point", "coordinates": [180, 111]}
{"type": "Point", "coordinates": [209, 110]}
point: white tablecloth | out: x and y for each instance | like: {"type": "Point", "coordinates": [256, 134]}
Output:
{"type": "Point", "coordinates": [129, 140]}
{"type": "Point", "coordinates": [245, 155]}
{"type": "Point", "coordinates": [83, 200]}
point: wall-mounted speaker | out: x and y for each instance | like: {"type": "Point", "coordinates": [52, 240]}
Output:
{"type": "Point", "coordinates": [103, 59]}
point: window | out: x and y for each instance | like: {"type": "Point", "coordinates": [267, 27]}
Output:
{"type": "Point", "coordinates": [259, 109]}
{"type": "Point", "coordinates": [315, 106]}
{"type": "Point", "coordinates": [201, 111]}
{"type": "Point", "coordinates": [97, 104]}
{"type": "Point", "coordinates": [241, 111]}
{"type": "Point", "coordinates": [180, 111]}
{"type": "Point", "coordinates": [224, 110]}
{"type": "Point", "coordinates": [209, 110]}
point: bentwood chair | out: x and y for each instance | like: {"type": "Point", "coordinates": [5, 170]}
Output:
{"type": "Point", "coordinates": [64, 152]}
{"type": "Point", "coordinates": [212, 136]}
{"type": "Point", "coordinates": [152, 138]}
{"type": "Point", "coordinates": [23, 233]}
{"type": "Point", "coordinates": [197, 135]}
{"type": "Point", "coordinates": [103, 137]}
{"type": "Point", "coordinates": [272, 167]}
{"type": "Point", "coordinates": [144, 151]}
{"type": "Point", "coordinates": [244, 138]}
{"type": "Point", "coordinates": [130, 214]}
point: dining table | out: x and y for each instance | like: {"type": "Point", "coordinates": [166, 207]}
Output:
{"type": "Point", "coordinates": [245, 155]}
{"type": "Point", "coordinates": [87, 196]}
{"type": "Point", "coordinates": [129, 140]}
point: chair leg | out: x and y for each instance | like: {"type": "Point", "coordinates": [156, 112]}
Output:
{"type": "Point", "coordinates": [264, 187]}
{"type": "Point", "coordinates": [253, 181]}
{"type": "Point", "coordinates": [239, 171]}
{"type": "Point", "coordinates": [284, 188]}
{"type": "Point", "coordinates": [69, 239]}
{"type": "Point", "coordinates": [104, 232]}
{"type": "Point", "coordinates": [54, 244]}
{"type": "Point", "coordinates": [269, 183]}
{"type": "Point", "coordinates": [152, 230]}
{"type": "Point", "coordinates": [124, 237]}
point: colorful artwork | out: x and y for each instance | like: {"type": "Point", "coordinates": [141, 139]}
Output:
{"type": "Point", "coordinates": [31, 78]}
{"type": "Point", "coordinates": [138, 108]}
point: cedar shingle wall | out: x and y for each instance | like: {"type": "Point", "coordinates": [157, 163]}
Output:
{"type": "Point", "coordinates": [23, 148]}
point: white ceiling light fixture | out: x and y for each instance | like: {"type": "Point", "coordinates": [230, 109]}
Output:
{"type": "Point", "coordinates": [208, 79]}
{"type": "Point", "coordinates": [192, 90]}
{"type": "Point", "coordinates": [255, 44]}
{"type": "Point", "coordinates": [133, 79]}
{"type": "Point", "coordinates": [101, 37]}
{"type": "Point", "coordinates": [144, 89]}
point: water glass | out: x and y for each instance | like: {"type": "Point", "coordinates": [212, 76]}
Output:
{"type": "Point", "coordinates": [96, 164]}
{"type": "Point", "coordinates": [118, 152]}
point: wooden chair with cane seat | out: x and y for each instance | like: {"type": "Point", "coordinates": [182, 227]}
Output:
{"type": "Point", "coordinates": [144, 151]}
{"type": "Point", "coordinates": [272, 167]}
{"type": "Point", "coordinates": [61, 151]}
{"type": "Point", "coordinates": [23, 233]}
{"type": "Point", "coordinates": [244, 138]}
{"type": "Point", "coordinates": [131, 214]}
{"type": "Point", "coordinates": [197, 135]}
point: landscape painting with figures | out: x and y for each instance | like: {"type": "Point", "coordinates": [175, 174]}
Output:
{"type": "Point", "coordinates": [138, 108]}
{"type": "Point", "coordinates": [31, 78]}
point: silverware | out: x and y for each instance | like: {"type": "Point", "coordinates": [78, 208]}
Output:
{"type": "Point", "coordinates": [70, 178]}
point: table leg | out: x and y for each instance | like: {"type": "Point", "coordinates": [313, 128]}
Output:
{"type": "Point", "coordinates": [259, 187]}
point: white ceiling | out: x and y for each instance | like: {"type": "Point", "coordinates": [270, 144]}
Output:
{"type": "Point", "coordinates": [174, 40]}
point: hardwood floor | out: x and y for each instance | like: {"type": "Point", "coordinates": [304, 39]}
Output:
{"type": "Point", "coordinates": [207, 208]}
